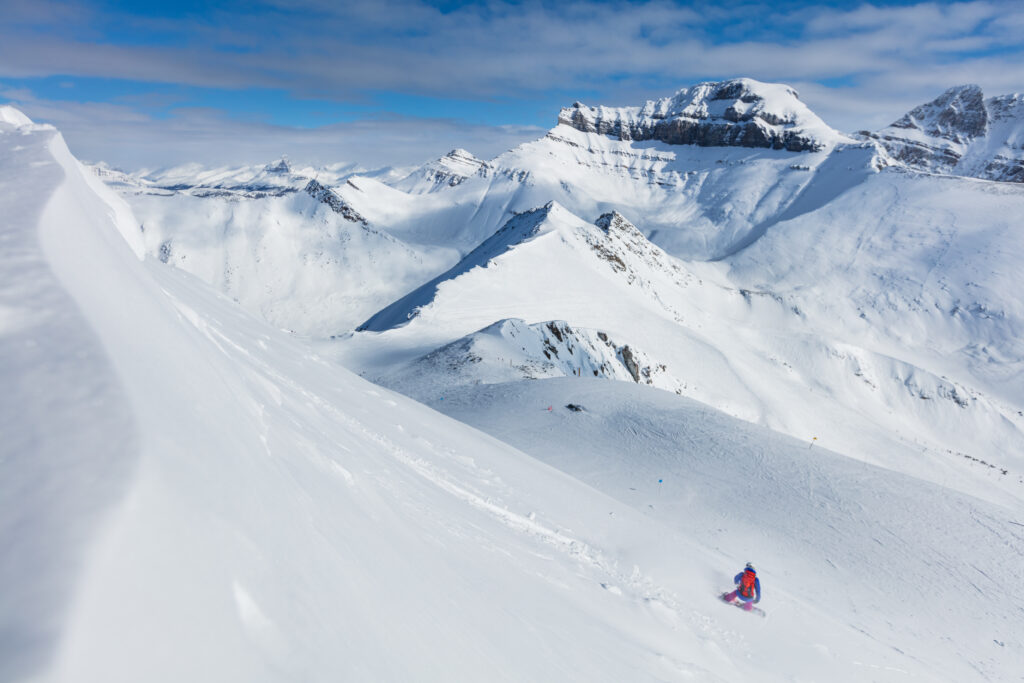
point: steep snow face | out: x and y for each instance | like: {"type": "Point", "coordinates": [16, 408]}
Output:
{"type": "Point", "coordinates": [919, 271]}
{"type": "Point", "coordinates": [1000, 156]}
{"type": "Point", "coordinates": [920, 264]}
{"type": "Point", "coordinates": [740, 112]}
{"type": "Point", "coordinates": [512, 350]}
{"type": "Point", "coordinates": [962, 133]}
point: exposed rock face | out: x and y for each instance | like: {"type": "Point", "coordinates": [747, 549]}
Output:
{"type": "Point", "coordinates": [737, 113]}
{"type": "Point", "coordinates": [961, 133]}
{"type": "Point", "coordinates": [958, 115]}
{"type": "Point", "coordinates": [511, 349]}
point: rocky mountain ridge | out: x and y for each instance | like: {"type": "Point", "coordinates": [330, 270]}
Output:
{"type": "Point", "coordinates": [735, 113]}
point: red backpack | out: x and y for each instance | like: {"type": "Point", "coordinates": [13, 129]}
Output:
{"type": "Point", "coordinates": [747, 583]}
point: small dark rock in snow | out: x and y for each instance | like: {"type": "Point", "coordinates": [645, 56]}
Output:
{"type": "Point", "coordinates": [575, 408]}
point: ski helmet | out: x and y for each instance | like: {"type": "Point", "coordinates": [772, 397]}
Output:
{"type": "Point", "coordinates": [750, 566]}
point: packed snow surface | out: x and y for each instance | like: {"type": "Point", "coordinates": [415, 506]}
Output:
{"type": "Point", "coordinates": [834, 536]}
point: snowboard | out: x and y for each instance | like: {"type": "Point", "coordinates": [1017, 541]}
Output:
{"type": "Point", "coordinates": [739, 605]}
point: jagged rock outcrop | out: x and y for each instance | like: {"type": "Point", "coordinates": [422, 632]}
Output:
{"type": "Point", "coordinates": [736, 113]}
{"type": "Point", "coordinates": [511, 349]}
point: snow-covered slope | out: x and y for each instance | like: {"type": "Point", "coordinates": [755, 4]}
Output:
{"type": "Point", "coordinates": [195, 496]}
{"type": "Point", "coordinates": [886, 553]}
{"type": "Point", "coordinates": [278, 240]}
{"type": "Point", "coordinates": [962, 133]}
{"type": "Point", "coordinates": [881, 338]}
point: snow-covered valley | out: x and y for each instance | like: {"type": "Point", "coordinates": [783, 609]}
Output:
{"type": "Point", "coordinates": [600, 372]}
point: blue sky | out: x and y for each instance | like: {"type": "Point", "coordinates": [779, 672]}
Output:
{"type": "Point", "coordinates": [397, 82]}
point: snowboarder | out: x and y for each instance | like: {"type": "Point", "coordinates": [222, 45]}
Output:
{"type": "Point", "coordinates": [748, 588]}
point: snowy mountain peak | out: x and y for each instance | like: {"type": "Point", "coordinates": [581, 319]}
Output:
{"type": "Point", "coordinates": [452, 169]}
{"type": "Point", "coordinates": [461, 154]}
{"type": "Point", "coordinates": [736, 113]}
{"type": "Point", "coordinates": [958, 115]}
{"type": "Point", "coordinates": [14, 117]}
{"type": "Point", "coordinates": [280, 166]}
{"type": "Point", "coordinates": [961, 133]}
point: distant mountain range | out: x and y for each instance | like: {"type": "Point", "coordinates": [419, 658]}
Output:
{"type": "Point", "coordinates": [860, 288]}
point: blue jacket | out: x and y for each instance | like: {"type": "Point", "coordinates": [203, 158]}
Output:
{"type": "Point", "coordinates": [757, 588]}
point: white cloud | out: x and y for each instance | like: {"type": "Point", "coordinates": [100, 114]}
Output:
{"type": "Point", "coordinates": [128, 139]}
